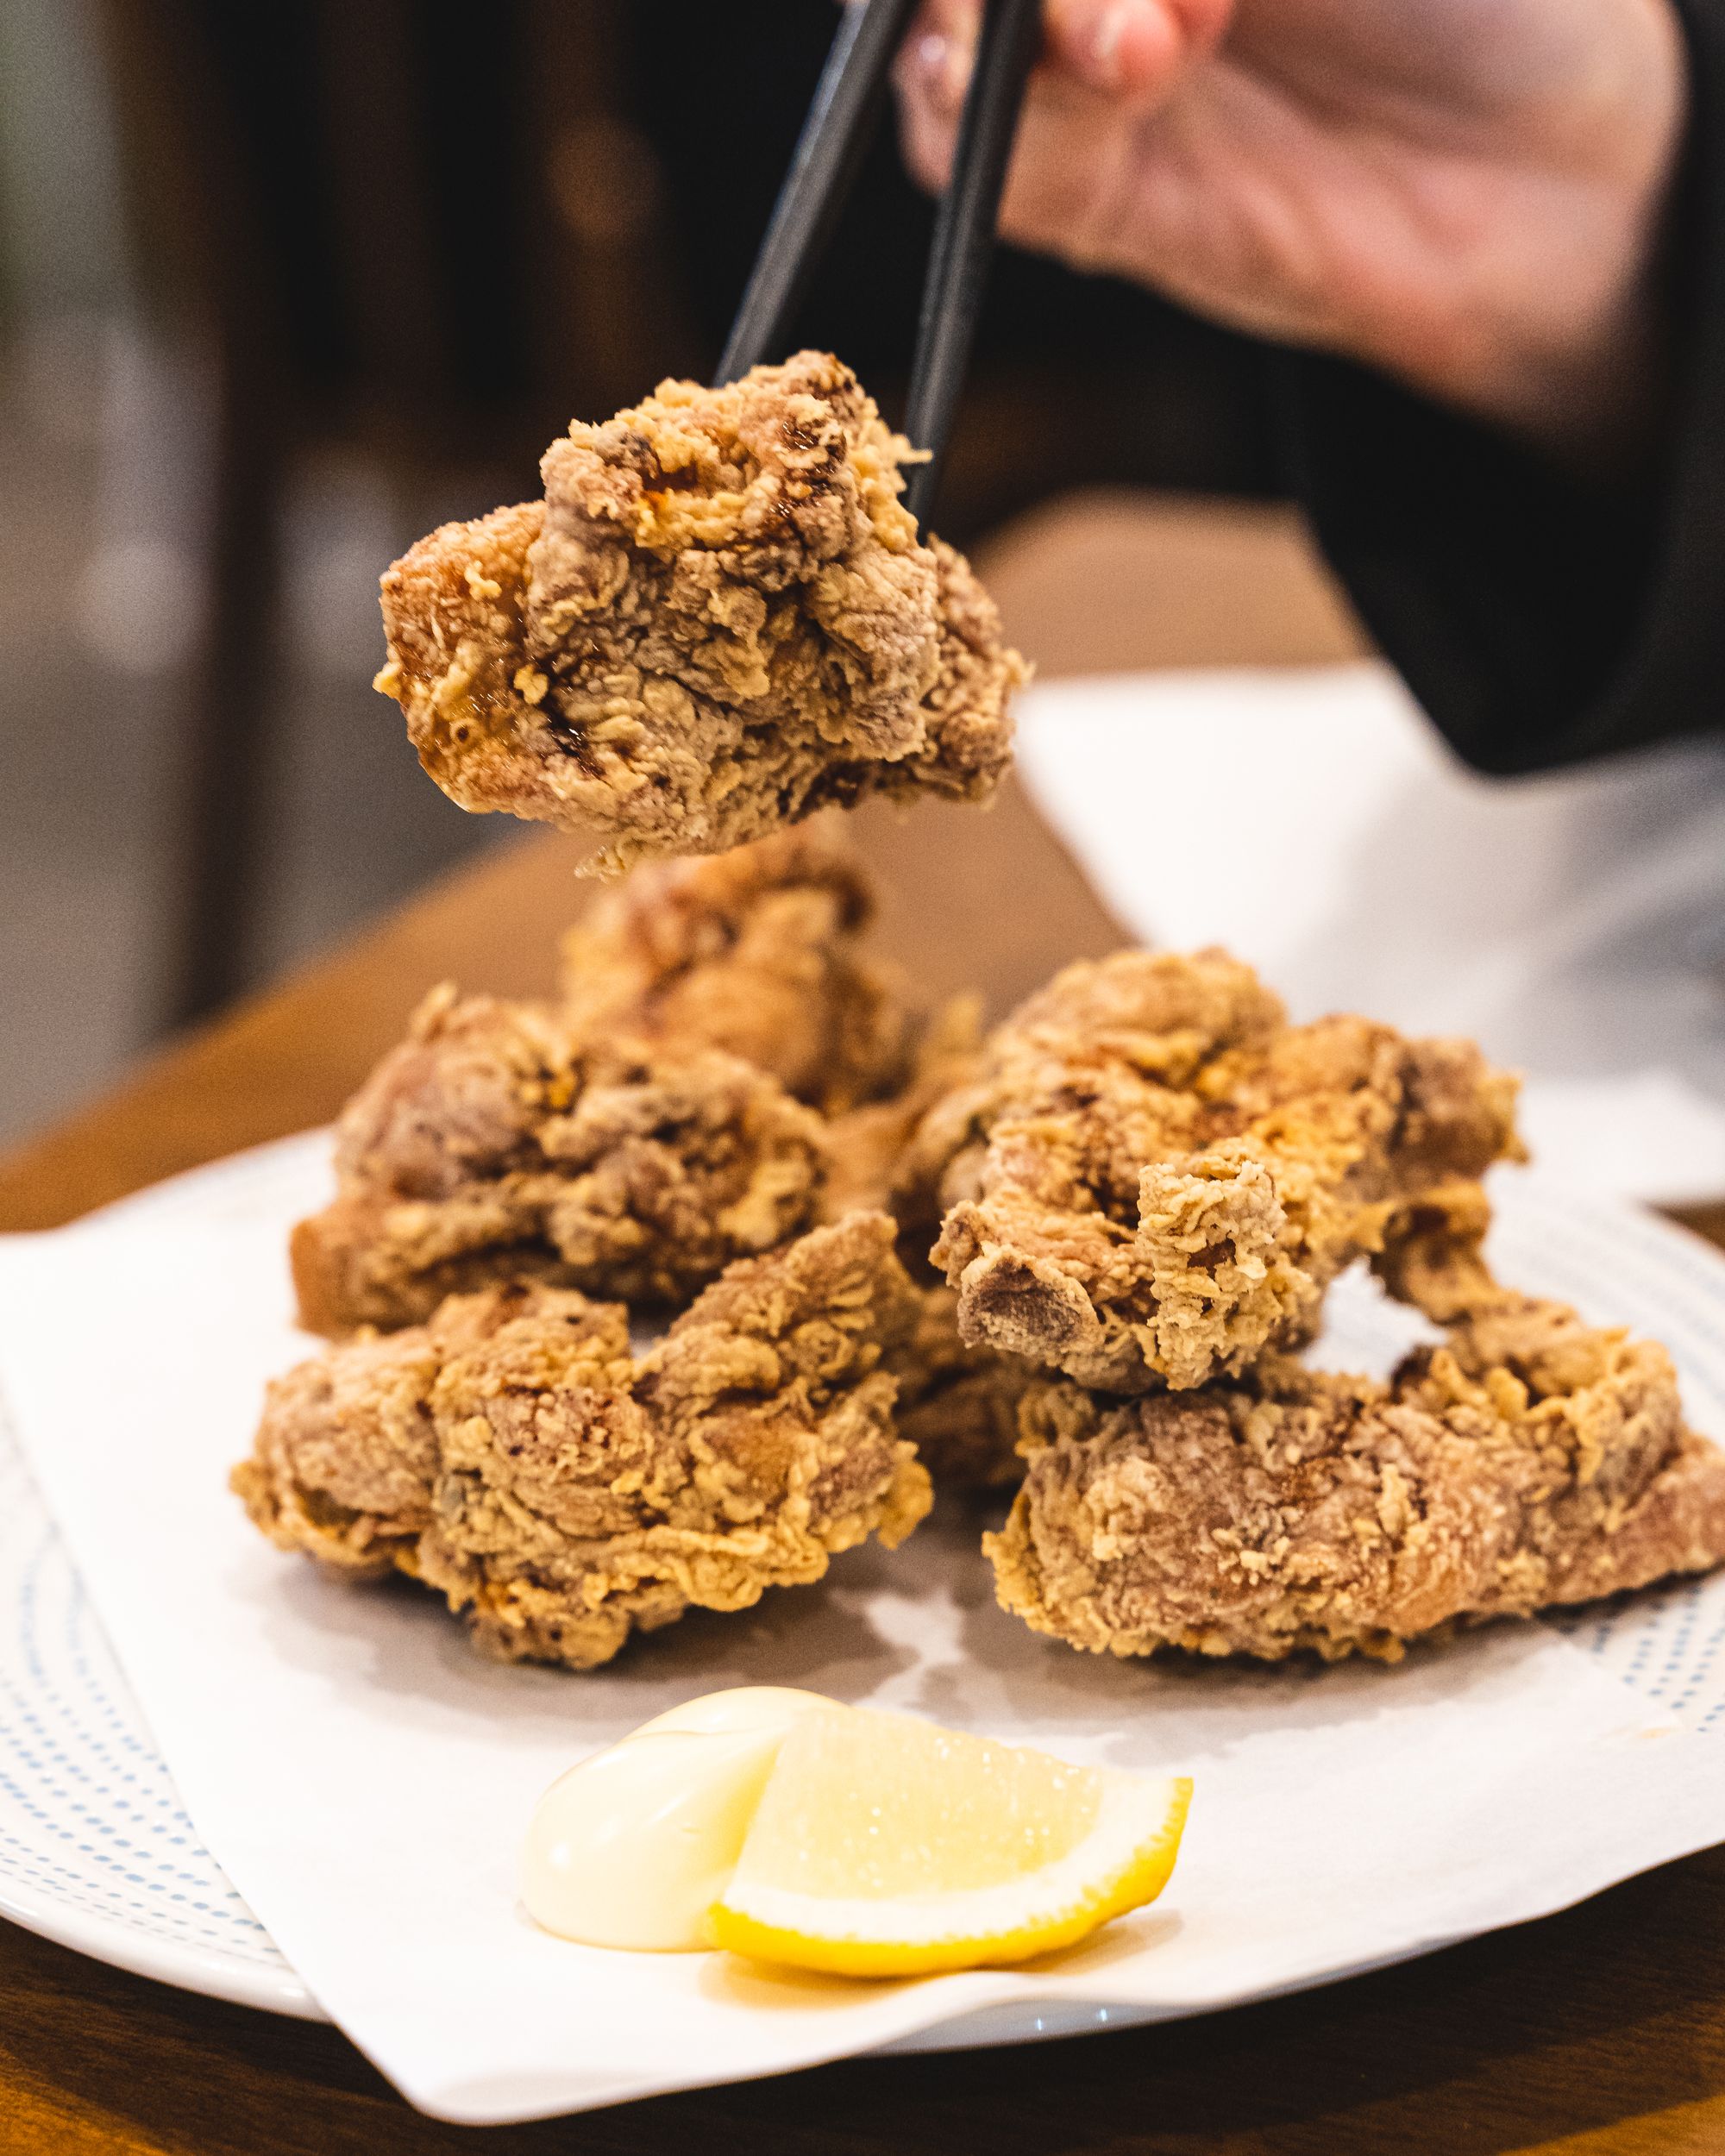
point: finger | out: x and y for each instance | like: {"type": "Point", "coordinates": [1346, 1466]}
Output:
{"type": "Point", "coordinates": [1130, 48]}
{"type": "Point", "coordinates": [1126, 48]}
{"type": "Point", "coordinates": [931, 77]}
{"type": "Point", "coordinates": [936, 57]}
{"type": "Point", "coordinates": [1065, 164]}
{"type": "Point", "coordinates": [1064, 182]}
{"type": "Point", "coordinates": [1104, 58]}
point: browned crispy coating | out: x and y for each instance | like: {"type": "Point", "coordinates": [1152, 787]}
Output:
{"type": "Point", "coordinates": [514, 1457]}
{"type": "Point", "coordinates": [759, 952]}
{"type": "Point", "coordinates": [1530, 1461]}
{"type": "Point", "coordinates": [720, 619]}
{"type": "Point", "coordinates": [1155, 1178]}
{"type": "Point", "coordinates": [497, 1143]}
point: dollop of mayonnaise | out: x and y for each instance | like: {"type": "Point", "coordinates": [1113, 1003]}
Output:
{"type": "Point", "coordinates": [633, 1846]}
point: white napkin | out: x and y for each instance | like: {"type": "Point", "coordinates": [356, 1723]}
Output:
{"type": "Point", "coordinates": [1311, 819]}
{"type": "Point", "coordinates": [364, 1779]}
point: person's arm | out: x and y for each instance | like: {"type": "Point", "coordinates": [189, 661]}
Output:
{"type": "Point", "coordinates": [1542, 615]}
{"type": "Point", "coordinates": [1488, 265]}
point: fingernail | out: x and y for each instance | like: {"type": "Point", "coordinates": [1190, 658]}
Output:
{"type": "Point", "coordinates": [944, 63]}
{"type": "Point", "coordinates": [931, 55]}
{"type": "Point", "coordinates": [1106, 46]}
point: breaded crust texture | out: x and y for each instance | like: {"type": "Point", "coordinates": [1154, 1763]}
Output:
{"type": "Point", "coordinates": [720, 619]}
{"type": "Point", "coordinates": [561, 1491]}
{"type": "Point", "coordinates": [1155, 1178]}
{"type": "Point", "coordinates": [499, 1142]}
{"type": "Point", "coordinates": [762, 953]}
{"type": "Point", "coordinates": [1530, 1461]}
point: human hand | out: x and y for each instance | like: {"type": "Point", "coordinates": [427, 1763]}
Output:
{"type": "Point", "coordinates": [1465, 193]}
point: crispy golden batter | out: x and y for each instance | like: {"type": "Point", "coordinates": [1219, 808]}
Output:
{"type": "Point", "coordinates": [758, 952]}
{"type": "Point", "coordinates": [1156, 1177]}
{"type": "Point", "coordinates": [720, 619]}
{"type": "Point", "coordinates": [1532, 1460]}
{"type": "Point", "coordinates": [513, 1456]}
{"type": "Point", "coordinates": [496, 1143]}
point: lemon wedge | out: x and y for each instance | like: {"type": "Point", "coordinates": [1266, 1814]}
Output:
{"type": "Point", "coordinates": [885, 1847]}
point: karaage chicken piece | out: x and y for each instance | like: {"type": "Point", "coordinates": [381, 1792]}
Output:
{"type": "Point", "coordinates": [498, 1141]}
{"type": "Point", "coordinates": [514, 1455]}
{"type": "Point", "coordinates": [720, 619]}
{"type": "Point", "coordinates": [758, 952]}
{"type": "Point", "coordinates": [1530, 1461]}
{"type": "Point", "coordinates": [1155, 1178]}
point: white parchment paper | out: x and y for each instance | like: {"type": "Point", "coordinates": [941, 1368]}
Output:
{"type": "Point", "coordinates": [364, 1778]}
{"type": "Point", "coordinates": [1310, 818]}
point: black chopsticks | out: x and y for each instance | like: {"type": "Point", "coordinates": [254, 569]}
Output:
{"type": "Point", "coordinates": [964, 235]}
{"type": "Point", "coordinates": [847, 104]}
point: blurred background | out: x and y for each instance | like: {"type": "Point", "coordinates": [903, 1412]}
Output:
{"type": "Point", "coordinates": [281, 289]}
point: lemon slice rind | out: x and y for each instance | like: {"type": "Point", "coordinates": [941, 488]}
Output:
{"type": "Point", "coordinates": [1123, 1861]}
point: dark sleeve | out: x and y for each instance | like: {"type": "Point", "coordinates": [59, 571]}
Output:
{"type": "Point", "coordinates": [1538, 623]}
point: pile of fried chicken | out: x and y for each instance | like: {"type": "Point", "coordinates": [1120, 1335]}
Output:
{"type": "Point", "coordinates": [663, 1290]}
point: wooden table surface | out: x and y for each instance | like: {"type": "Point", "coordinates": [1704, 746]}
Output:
{"type": "Point", "coordinates": [1597, 2033]}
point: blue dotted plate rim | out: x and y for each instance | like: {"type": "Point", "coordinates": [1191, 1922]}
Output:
{"type": "Point", "coordinates": [259, 1977]}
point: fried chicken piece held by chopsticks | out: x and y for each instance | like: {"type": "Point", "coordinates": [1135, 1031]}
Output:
{"type": "Point", "coordinates": [720, 619]}
{"type": "Point", "coordinates": [499, 1143]}
{"type": "Point", "coordinates": [1529, 1462]}
{"type": "Point", "coordinates": [514, 1457]}
{"type": "Point", "coordinates": [1155, 1178]}
{"type": "Point", "coordinates": [759, 952]}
